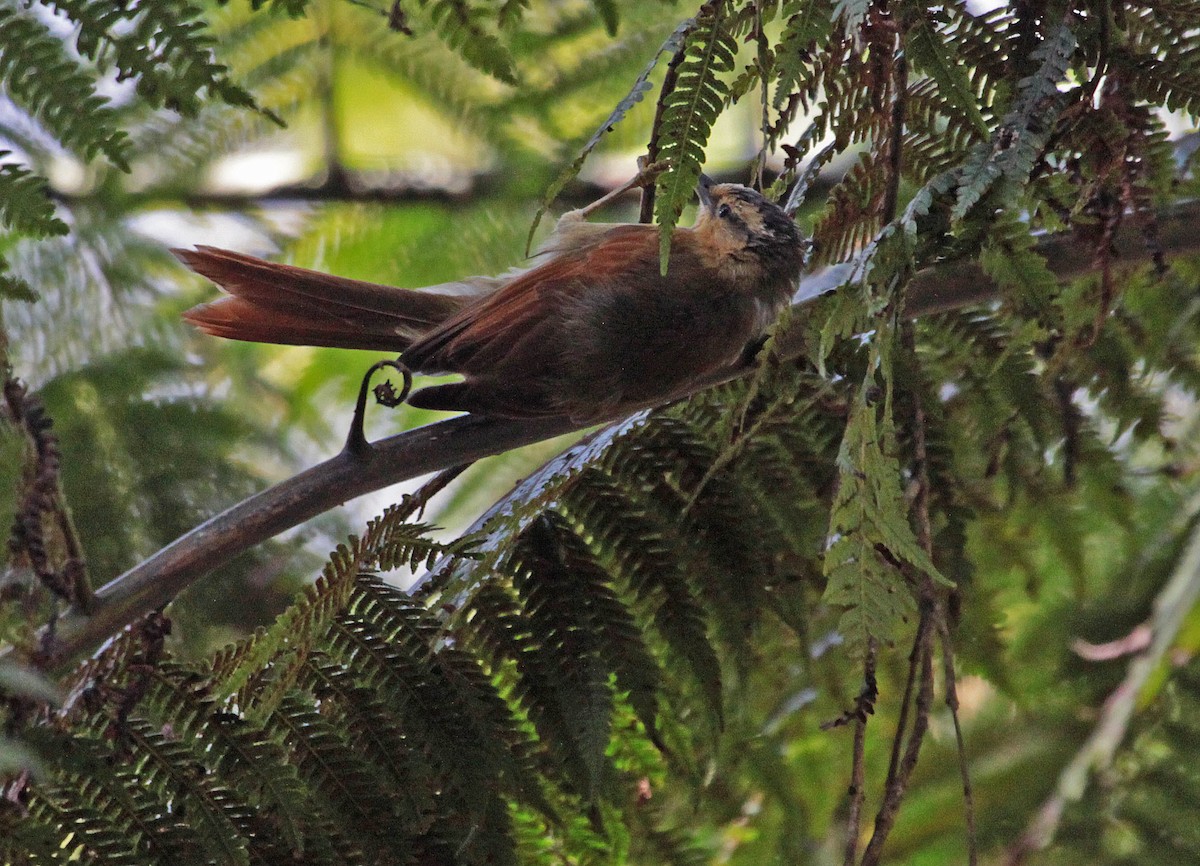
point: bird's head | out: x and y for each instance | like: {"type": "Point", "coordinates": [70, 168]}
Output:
{"type": "Point", "coordinates": [738, 222]}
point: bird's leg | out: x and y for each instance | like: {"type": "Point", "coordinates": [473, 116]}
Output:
{"type": "Point", "coordinates": [646, 175]}
{"type": "Point", "coordinates": [385, 394]}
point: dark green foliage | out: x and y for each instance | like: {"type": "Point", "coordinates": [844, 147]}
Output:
{"type": "Point", "coordinates": [24, 206]}
{"type": "Point", "coordinates": [263, 779]}
{"type": "Point", "coordinates": [41, 77]}
{"type": "Point", "coordinates": [465, 29]}
{"type": "Point", "coordinates": [1020, 139]}
{"type": "Point", "coordinates": [931, 56]}
{"type": "Point", "coordinates": [180, 66]}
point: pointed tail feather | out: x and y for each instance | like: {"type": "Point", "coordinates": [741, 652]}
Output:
{"type": "Point", "coordinates": [276, 303]}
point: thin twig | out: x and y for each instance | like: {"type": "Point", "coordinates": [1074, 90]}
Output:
{"type": "Point", "coordinates": [763, 53]}
{"type": "Point", "coordinates": [951, 688]}
{"type": "Point", "coordinates": [925, 539]}
{"type": "Point", "coordinates": [415, 503]}
{"type": "Point", "coordinates": [910, 685]}
{"type": "Point", "coordinates": [895, 152]}
{"type": "Point", "coordinates": [893, 794]}
{"type": "Point", "coordinates": [858, 774]}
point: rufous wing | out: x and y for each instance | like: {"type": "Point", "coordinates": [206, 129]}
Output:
{"type": "Point", "coordinates": [508, 329]}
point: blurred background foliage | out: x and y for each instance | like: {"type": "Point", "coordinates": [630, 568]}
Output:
{"type": "Point", "coordinates": [338, 141]}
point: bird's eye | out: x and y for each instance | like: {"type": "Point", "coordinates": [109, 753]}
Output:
{"type": "Point", "coordinates": [724, 210]}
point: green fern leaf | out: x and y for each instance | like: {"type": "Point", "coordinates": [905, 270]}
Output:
{"type": "Point", "coordinates": [809, 24]}
{"type": "Point", "coordinates": [500, 625]}
{"type": "Point", "coordinates": [555, 592]}
{"type": "Point", "coordinates": [1021, 137]}
{"type": "Point", "coordinates": [278, 647]}
{"type": "Point", "coordinates": [472, 707]}
{"type": "Point", "coordinates": [871, 534]}
{"type": "Point", "coordinates": [374, 731]}
{"type": "Point", "coordinates": [383, 638]}
{"type": "Point", "coordinates": [24, 205]}
{"type": "Point", "coordinates": [352, 787]}
{"type": "Point", "coordinates": [633, 542]}
{"type": "Point", "coordinates": [931, 56]}
{"type": "Point", "coordinates": [406, 545]}
{"type": "Point", "coordinates": [1009, 257]}
{"type": "Point", "coordinates": [119, 815]}
{"type": "Point", "coordinates": [688, 115]}
{"type": "Point", "coordinates": [237, 750]}
{"type": "Point", "coordinates": [461, 27]}
{"type": "Point", "coordinates": [44, 80]}
{"type": "Point", "coordinates": [179, 70]}
{"type": "Point", "coordinates": [620, 641]}
{"type": "Point", "coordinates": [15, 288]}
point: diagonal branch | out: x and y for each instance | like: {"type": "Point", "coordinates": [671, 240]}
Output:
{"type": "Point", "coordinates": [1174, 602]}
{"type": "Point", "coordinates": [157, 580]}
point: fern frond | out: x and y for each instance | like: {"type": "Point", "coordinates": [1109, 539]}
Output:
{"type": "Point", "coordinates": [931, 55]}
{"type": "Point", "coordinates": [1010, 259]}
{"type": "Point", "coordinates": [406, 545]}
{"type": "Point", "coordinates": [118, 818]}
{"type": "Point", "coordinates": [619, 640]}
{"type": "Point", "coordinates": [556, 592]}
{"type": "Point", "coordinates": [24, 204]}
{"type": "Point", "coordinates": [462, 28]}
{"type": "Point", "coordinates": [870, 535]}
{"type": "Point", "coordinates": [44, 80]}
{"type": "Point", "coordinates": [351, 788]}
{"type": "Point", "coordinates": [1020, 140]}
{"type": "Point", "coordinates": [689, 112]}
{"type": "Point", "coordinates": [234, 668]}
{"type": "Point", "coordinates": [470, 700]}
{"type": "Point", "coordinates": [853, 215]}
{"type": "Point", "coordinates": [630, 538]}
{"type": "Point", "coordinates": [239, 751]}
{"type": "Point", "coordinates": [15, 288]}
{"type": "Point", "coordinates": [373, 730]}
{"type": "Point", "coordinates": [179, 69]}
{"type": "Point", "coordinates": [809, 26]}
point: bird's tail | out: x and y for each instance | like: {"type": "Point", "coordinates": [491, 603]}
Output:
{"type": "Point", "coordinates": [276, 303]}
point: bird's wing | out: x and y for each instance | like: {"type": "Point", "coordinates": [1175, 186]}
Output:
{"type": "Point", "coordinates": [509, 327]}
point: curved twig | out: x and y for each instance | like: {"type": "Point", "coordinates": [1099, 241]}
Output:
{"type": "Point", "coordinates": [385, 395]}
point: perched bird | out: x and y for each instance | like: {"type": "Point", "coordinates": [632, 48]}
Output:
{"type": "Point", "coordinates": [591, 328]}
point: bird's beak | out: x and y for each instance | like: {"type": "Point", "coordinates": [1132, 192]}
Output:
{"type": "Point", "coordinates": [703, 191]}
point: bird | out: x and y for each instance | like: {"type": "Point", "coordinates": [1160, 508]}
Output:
{"type": "Point", "coordinates": [591, 329]}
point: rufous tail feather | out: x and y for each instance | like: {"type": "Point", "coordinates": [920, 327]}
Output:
{"type": "Point", "coordinates": [276, 303]}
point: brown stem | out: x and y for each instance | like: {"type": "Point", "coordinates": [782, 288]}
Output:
{"type": "Point", "coordinates": [964, 771]}
{"type": "Point", "coordinates": [858, 764]}
{"type": "Point", "coordinates": [893, 794]}
{"type": "Point", "coordinates": [895, 150]}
